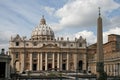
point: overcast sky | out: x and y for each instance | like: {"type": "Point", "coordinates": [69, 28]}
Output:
{"type": "Point", "coordinates": [67, 18]}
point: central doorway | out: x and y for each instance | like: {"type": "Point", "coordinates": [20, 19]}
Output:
{"type": "Point", "coordinates": [64, 66]}
{"type": "Point", "coordinates": [80, 65]}
{"type": "Point", "coordinates": [34, 67]}
{"type": "Point", "coordinates": [49, 66]}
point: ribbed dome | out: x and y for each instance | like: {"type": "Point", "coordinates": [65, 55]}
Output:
{"type": "Point", "coordinates": [42, 31]}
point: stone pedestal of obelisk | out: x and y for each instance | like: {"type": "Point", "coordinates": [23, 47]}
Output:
{"type": "Point", "coordinates": [101, 75]}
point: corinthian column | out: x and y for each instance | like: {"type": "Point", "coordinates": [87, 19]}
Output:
{"type": "Point", "coordinates": [58, 61]}
{"type": "Point", "coordinates": [46, 61]}
{"type": "Point", "coordinates": [41, 61]}
{"type": "Point", "coordinates": [53, 60]}
{"type": "Point", "coordinates": [30, 61]}
{"type": "Point", "coordinates": [67, 61]}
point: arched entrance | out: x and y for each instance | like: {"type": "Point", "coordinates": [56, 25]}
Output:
{"type": "Point", "coordinates": [80, 65]}
{"type": "Point", "coordinates": [63, 66]}
{"type": "Point", "coordinates": [34, 67]}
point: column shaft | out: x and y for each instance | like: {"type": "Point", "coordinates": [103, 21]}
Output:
{"type": "Point", "coordinates": [53, 60]}
{"type": "Point", "coordinates": [67, 61]}
{"type": "Point", "coordinates": [38, 65]}
{"type": "Point", "coordinates": [58, 61]}
{"type": "Point", "coordinates": [30, 61]}
{"type": "Point", "coordinates": [46, 62]}
{"type": "Point", "coordinates": [22, 62]}
{"type": "Point", "coordinates": [41, 61]}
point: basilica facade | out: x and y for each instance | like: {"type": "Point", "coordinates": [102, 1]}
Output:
{"type": "Point", "coordinates": [45, 52]}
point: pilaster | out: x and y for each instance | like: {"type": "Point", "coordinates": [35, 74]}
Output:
{"type": "Point", "coordinates": [46, 62]}
{"type": "Point", "coordinates": [67, 61]}
{"type": "Point", "coordinates": [53, 60]}
{"type": "Point", "coordinates": [58, 61]}
{"type": "Point", "coordinates": [30, 61]}
{"type": "Point", "coordinates": [41, 61]}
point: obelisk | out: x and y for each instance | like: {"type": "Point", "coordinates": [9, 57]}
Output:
{"type": "Point", "coordinates": [100, 56]}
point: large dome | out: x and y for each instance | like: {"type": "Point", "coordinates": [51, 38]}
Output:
{"type": "Point", "coordinates": [42, 31]}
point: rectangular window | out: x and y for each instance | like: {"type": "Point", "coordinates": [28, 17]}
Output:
{"type": "Point", "coordinates": [64, 44]}
{"type": "Point", "coordinates": [80, 45]}
{"type": "Point", "coordinates": [17, 43]}
{"type": "Point", "coordinates": [17, 55]}
{"type": "Point", "coordinates": [34, 55]}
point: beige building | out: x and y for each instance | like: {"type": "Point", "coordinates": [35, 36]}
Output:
{"type": "Point", "coordinates": [45, 52]}
{"type": "Point", "coordinates": [111, 56]}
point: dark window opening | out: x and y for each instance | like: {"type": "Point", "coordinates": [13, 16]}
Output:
{"type": "Point", "coordinates": [71, 45]}
{"type": "Point", "coordinates": [17, 55]}
{"type": "Point", "coordinates": [64, 44]}
{"type": "Point", "coordinates": [80, 65]}
{"type": "Point", "coordinates": [43, 44]}
{"type": "Point", "coordinates": [80, 45]}
{"type": "Point", "coordinates": [17, 43]}
{"type": "Point", "coordinates": [34, 67]}
{"type": "Point", "coordinates": [35, 61]}
{"type": "Point", "coordinates": [63, 66]}
{"type": "Point", "coordinates": [49, 66]}
{"type": "Point", "coordinates": [43, 67]}
{"type": "Point", "coordinates": [34, 55]}
{"type": "Point", "coordinates": [55, 68]}
{"type": "Point", "coordinates": [27, 44]}
{"type": "Point", "coordinates": [55, 44]}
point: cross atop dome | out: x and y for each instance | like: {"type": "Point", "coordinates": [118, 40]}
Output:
{"type": "Point", "coordinates": [99, 11]}
{"type": "Point", "coordinates": [43, 21]}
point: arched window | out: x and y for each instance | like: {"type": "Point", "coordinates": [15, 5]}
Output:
{"type": "Point", "coordinates": [80, 44]}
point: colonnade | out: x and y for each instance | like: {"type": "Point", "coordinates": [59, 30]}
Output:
{"type": "Point", "coordinates": [56, 61]}
{"type": "Point", "coordinates": [112, 69]}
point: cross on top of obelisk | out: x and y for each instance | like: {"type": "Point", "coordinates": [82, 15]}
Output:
{"type": "Point", "coordinates": [99, 11]}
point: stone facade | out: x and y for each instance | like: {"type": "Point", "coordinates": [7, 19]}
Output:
{"type": "Point", "coordinates": [44, 52]}
{"type": "Point", "coordinates": [111, 56]}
